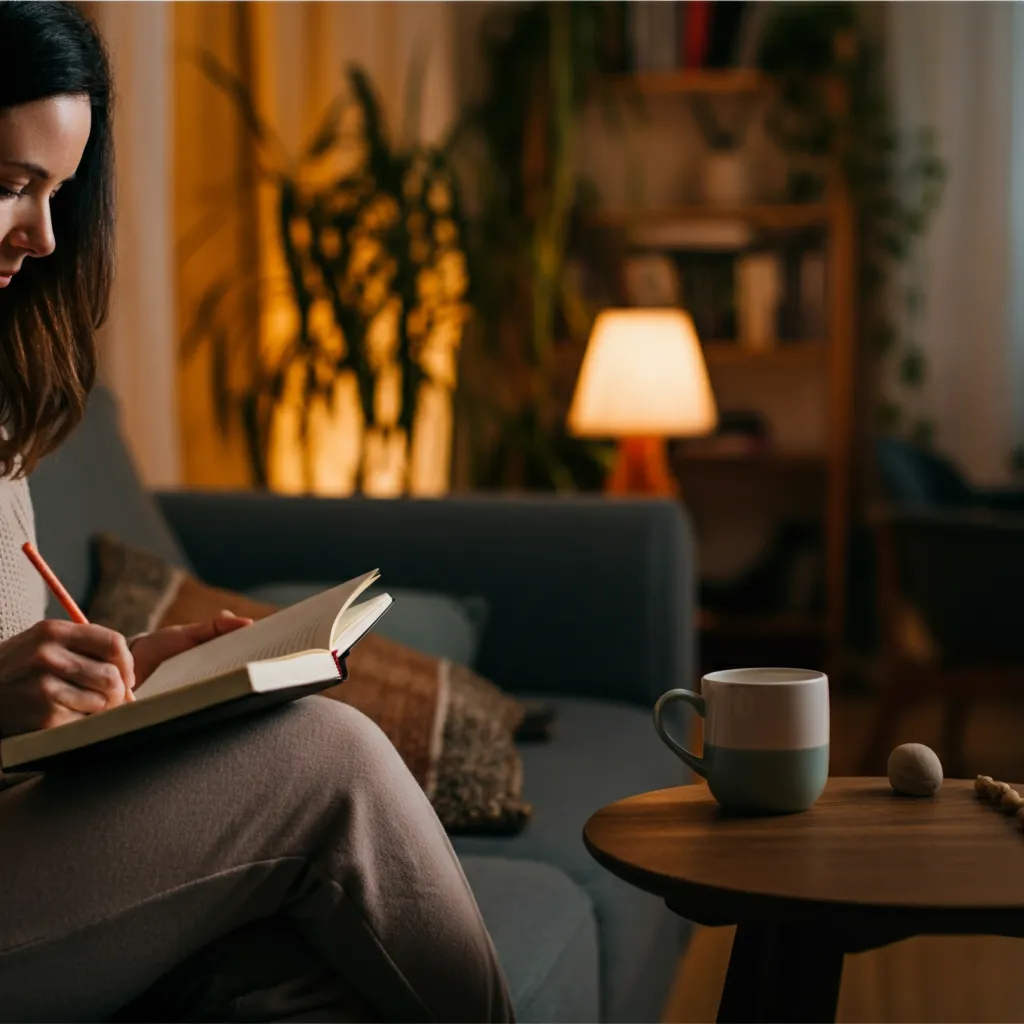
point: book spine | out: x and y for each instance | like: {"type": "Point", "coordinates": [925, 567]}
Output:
{"type": "Point", "coordinates": [698, 25]}
{"type": "Point", "coordinates": [663, 36]}
{"type": "Point", "coordinates": [640, 35]}
{"type": "Point", "coordinates": [341, 661]}
{"type": "Point", "coordinates": [681, 8]}
{"type": "Point", "coordinates": [812, 295]}
{"type": "Point", "coordinates": [758, 279]}
{"type": "Point", "coordinates": [726, 25]}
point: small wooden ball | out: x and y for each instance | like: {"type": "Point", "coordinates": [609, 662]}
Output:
{"type": "Point", "coordinates": [915, 770]}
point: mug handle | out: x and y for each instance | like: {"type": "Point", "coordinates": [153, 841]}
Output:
{"type": "Point", "coordinates": [696, 701]}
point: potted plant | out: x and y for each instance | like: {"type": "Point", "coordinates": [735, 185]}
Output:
{"type": "Point", "coordinates": [725, 177]}
{"type": "Point", "coordinates": [375, 279]}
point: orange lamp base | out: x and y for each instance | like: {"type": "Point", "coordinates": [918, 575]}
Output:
{"type": "Point", "coordinates": [641, 468]}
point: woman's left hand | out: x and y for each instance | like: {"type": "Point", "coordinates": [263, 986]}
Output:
{"type": "Point", "coordinates": [152, 649]}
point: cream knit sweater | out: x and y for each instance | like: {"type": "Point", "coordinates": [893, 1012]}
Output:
{"type": "Point", "coordinates": [22, 591]}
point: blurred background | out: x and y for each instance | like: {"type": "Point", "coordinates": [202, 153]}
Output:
{"type": "Point", "coordinates": [755, 257]}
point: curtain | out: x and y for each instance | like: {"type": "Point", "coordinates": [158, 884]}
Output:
{"type": "Point", "coordinates": [1016, 311]}
{"type": "Point", "coordinates": [953, 69]}
{"type": "Point", "coordinates": [137, 345]}
{"type": "Point", "coordinates": [292, 56]}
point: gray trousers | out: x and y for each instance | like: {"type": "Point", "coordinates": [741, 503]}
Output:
{"type": "Point", "coordinates": [284, 866]}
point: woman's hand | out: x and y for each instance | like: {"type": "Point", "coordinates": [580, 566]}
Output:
{"type": "Point", "coordinates": [57, 672]}
{"type": "Point", "coordinates": [152, 649]}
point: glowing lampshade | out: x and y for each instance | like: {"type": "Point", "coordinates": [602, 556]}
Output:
{"type": "Point", "coordinates": [643, 375]}
{"type": "Point", "coordinates": [643, 379]}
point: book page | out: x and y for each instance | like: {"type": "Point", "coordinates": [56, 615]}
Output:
{"type": "Point", "coordinates": [302, 627]}
{"type": "Point", "coordinates": [356, 621]}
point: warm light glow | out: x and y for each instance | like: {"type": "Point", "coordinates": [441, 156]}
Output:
{"type": "Point", "coordinates": [643, 375]}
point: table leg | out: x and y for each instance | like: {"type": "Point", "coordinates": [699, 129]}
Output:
{"type": "Point", "coordinates": [781, 974]}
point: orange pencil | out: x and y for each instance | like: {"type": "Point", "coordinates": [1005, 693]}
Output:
{"type": "Point", "coordinates": [59, 591]}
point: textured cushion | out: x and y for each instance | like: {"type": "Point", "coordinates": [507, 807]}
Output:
{"type": "Point", "coordinates": [437, 624]}
{"type": "Point", "coordinates": [544, 931]}
{"type": "Point", "coordinates": [454, 730]}
{"type": "Point", "coordinates": [90, 486]}
{"type": "Point", "coordinates": [601, 752]}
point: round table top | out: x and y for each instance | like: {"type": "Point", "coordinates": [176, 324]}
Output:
{"type": "Point", "coordinates": [859, 847]}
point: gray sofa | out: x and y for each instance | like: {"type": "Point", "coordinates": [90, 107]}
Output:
{"type": "Point", "coordinates": [589, 604]}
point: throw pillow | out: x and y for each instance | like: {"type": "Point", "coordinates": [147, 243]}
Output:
{"type": "Point", "coordinates": [454, 729]}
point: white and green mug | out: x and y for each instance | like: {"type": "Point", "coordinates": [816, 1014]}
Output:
{"type": "Point", "coordinates": [766, 737]}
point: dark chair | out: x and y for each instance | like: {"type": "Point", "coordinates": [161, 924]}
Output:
{"type": "Point", "coordinates": [950, 571]}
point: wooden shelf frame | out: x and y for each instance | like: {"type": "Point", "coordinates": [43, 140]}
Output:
{"type": "Point", "coordinates": [765, 216]}
{"type": "Point", "coordinates": [684, 81]}
{"type": "Point", "coordinates": [783, 353]}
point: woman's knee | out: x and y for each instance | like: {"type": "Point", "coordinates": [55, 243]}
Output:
{"type": "Point", "coordinates": [328, 734]}
{"type": "Point", "coordinates": [336, 751]}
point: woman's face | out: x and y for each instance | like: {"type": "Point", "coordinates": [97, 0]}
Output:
{"type": "Point", "coordinates": [41, 145]}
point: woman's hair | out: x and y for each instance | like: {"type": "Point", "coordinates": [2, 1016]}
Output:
{"type": "Point", "coordinates": [49, 318]}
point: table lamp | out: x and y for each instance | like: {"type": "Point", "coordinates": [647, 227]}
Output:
{"type": "Point", "coordinates": [643, 379]}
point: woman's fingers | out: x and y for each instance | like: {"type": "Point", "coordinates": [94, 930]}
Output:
{"type": "Point", "coordinates": [97, 644]}
{"type": "Point", "coordinates": [227, 621]}
{"type": "Point", "coordinates": [99, 677]}
{"type": "Point", "coordinates": [67, 701]}
{"type": "Point", "coordinates": [223, 622]}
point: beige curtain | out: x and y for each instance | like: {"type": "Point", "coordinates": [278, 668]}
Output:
{"type": "Point", "coordinates": [138, 344]}
{"type": "Point", "coordinates": [292, 55]}
{"type": "Point", "coordinates": [955, 67]}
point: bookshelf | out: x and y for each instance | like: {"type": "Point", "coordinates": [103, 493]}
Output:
{"type": "Point", "coordinates": [823, 364]}
{"type": "Point", "coordinates": [763, 216]}
{"type": "Point", "coordinates": [729, 353]}
{"type": "Point", "coordinates": [730, 81]}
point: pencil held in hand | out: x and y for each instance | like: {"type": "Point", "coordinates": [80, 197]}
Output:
{"type": "Point", "coordinates": [60, 592]}
{"type": "Point", "coordinates": [55, 585]}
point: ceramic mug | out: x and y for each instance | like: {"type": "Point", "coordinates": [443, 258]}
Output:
{"type": "Point", "coordinates": [766, 737]}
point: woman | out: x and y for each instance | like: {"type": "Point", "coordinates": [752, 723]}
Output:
{"type": "Point", "coordinates": [285, 866]}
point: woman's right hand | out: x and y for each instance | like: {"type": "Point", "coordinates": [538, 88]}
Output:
{"type": "Point", "coordinates": [57, 672]}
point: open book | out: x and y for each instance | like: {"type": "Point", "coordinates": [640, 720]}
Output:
{"type": "Point", "coordinates": [296, 651]}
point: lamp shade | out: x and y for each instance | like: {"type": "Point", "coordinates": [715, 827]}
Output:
{"type": "Point", "coordinates": [643, 375]}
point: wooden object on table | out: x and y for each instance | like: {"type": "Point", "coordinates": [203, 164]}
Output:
{"type": "Point", "coordinates": [860, 869]}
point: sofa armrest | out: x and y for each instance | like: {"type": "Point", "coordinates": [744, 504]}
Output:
{"type": "Point", "coordinates": [586, 595]}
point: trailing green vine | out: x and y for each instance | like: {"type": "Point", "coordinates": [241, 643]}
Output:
{"type": "Point", "coordinates": [542, 60]}
{"type": "Point", "coordinates": [895, 181]}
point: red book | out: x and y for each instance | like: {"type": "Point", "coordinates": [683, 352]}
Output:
{"type": "Point", "coordinates": [697, 32]}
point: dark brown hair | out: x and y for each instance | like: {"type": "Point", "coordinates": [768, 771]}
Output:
{"type": "Point", "coordinates": [48, 319]}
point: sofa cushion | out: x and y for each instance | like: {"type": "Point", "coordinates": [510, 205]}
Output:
{"type": "Point", "coordinates": [454, 730]}
{"type": "Point", "coordinates": [447, 627]}
{"type": "Point", "coordinates": [601, 752]}
{"type": "Point", "coordinates": [544, 930]}
{"type": "Point", "coordinates": [90, 486]}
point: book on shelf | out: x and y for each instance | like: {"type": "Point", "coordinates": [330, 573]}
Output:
{"type": "Point", "coordinates": [652, 32]}
{"type": "Point", "coordinates": [728, 20]}
{"type": "Point", "coordinates": [812, 291]}
{"type": "Point", "coordinates": [290, 654]}
{"type": "Point", "coordinates": [709, 234]}
{"type": "Point", "coordinates": [668, 36]}
{"type": "Point", "coordinates": [759, 291]}
{"type": "Point", "coordinates": [696, 32]}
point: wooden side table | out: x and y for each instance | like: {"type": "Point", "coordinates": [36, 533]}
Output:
{"type": "Point", "coordinates": [860, 869]}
